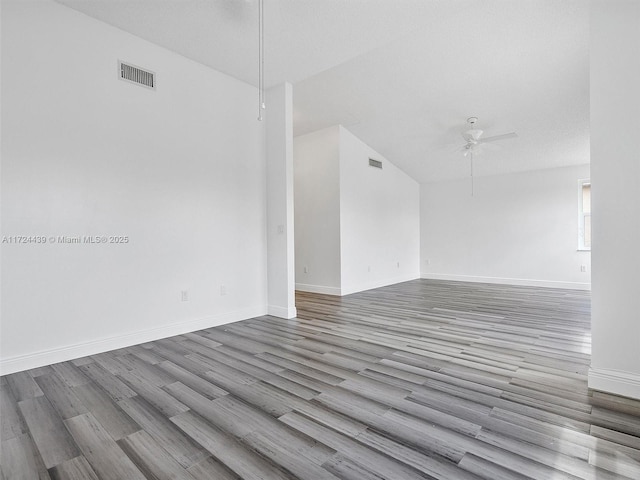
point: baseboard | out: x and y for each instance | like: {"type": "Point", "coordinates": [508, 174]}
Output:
{"type": "Point", "coordinates": [282, 312]}
{"type": "Point", "coordinates": [70, 352]}
{"type": "Point", "coordinates": [304, 287]}
{"type": "Point", "coordinates": [507, 281]}
{"type": "Point", "coordinates": [385, 282]}
{"type": "Point", "coordinates": [617, 382]}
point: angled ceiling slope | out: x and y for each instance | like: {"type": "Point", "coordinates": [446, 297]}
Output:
{"type": "Point", "coordinates": [402, 75]}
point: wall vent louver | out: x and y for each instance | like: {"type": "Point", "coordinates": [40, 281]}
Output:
{"type": "Point", "coordinates": [375, 163]}
{"type": "Point", "coordinates": [137, 75]}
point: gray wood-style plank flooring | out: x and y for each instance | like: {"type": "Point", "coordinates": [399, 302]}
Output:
{"type": "Point", "coordinates": [424, 379]}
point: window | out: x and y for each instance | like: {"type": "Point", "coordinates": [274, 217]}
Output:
{"type": "Point", "coordinates": [584, 216]}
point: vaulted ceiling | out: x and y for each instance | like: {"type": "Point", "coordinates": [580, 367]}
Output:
{"type": "Point", "coordinates": [402, 75]}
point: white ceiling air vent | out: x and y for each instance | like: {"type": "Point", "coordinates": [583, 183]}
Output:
{"type": "Point", "coordinates": [136, 75]}
{"type": "Point", "coordinates": [375, 163]}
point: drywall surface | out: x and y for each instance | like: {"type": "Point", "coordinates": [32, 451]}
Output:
{"type": "Point", "coordinates": [615, 167]}
{"type": "Point", "coordinates": [280, 231]}
{"type": "Point", "coordinates": [518, 228]}
{"type": "Point", "coordinates": [357, 227]}
{"type": "Point", "coordinates": [379, 219]}
{"type": "Point", "coordinates": [317, 211]}
{"type": "Point", "coordinates": [178, 171]}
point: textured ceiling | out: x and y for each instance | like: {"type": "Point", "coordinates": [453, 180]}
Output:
{"type": "Point", "coordinates": [402, 75]}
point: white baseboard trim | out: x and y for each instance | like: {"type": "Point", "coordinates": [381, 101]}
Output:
{"type": "Point", "coordinates": [617, 382]}
{"type": "Point", "coordinates": [304, 287]}
{"type": "Point", "coordinates": [361, 287]}
{"type": "Point", "coordinates": [70, 352]}
{"type": "Point", "coordinates": [526, 282]}
{"type": "Point", "coordinates": [282, 312]}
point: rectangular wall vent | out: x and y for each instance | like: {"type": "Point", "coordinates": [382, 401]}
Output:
{"type": "Point", "coordinates": [375, 163]}
{"type": "Point", "coordinates": [136, 75]}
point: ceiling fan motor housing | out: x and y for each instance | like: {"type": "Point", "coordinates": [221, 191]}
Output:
{"type": "Point", "coordinates": [473, 134]}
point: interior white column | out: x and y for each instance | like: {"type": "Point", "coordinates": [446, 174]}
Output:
{"type": "Point", "coordinates": [280, 233]}
{"type": "Point", "coordinates": [615, 174]}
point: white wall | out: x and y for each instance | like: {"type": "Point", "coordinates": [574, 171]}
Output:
{"type": "Point", "coordinates": [518, 228]}
{"type": "Point", "coordinates": [317, 211]}
{"type": "Point", "coordinates": [379, 219]}
{"type": "Point", "coordinates": [615, 166]}
{"type": "Point", "coordinates": [280, 231]}
{"type": "Point", "coordinates": [179, 170]}
{"type": "Point", "coordinates": [357, 227]}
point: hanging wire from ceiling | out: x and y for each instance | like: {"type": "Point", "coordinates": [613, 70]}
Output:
{"type": "Point", "coordinates": [471, 163]}
{"type": "Point", "coordinates": [261, 99]}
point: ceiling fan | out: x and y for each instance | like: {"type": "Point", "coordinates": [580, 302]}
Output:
{"type": "Point", "coordinates": [473, 137]}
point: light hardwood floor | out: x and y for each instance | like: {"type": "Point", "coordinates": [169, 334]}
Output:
{"type": "Point", "coordinates": [425, 379]}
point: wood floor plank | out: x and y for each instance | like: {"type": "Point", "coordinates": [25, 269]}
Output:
{"type": "Point", "coordinates": [209, 410]}
{"type": "Point", "coordinates": [615, 403]}
{"type": "Point", "coordinates": [269, 426]}
{"type": "Point", "coordinates": [21, 460]}
{"type": "Point", "coordinates": [423, 379]}
{"type": "Point", "coordinates": [54, 442]}
{"type": "Point", "coordinates": [70, 374]}
{"type": "Point", "coordinates": [78, 362]}
{"type": "Point", "coordinates": [247, 464]}
{"type": "Point", "coordinates": [196, 382]}
{"type": "Point", "coordinates": [11, 422]}
{"type": "Point", "coordinates": [211, 468]}
{"type": "Point", "coordinates": [485, 469]}
{"type": "Point", "coordinates": [288, 456]}
{"type": "Point", "coordinates": [175, 353]}
{"type": "Point", "coordinates": [23, 386]}
{"type": "Point", "coordinates": [571, 465]}
{"type": "Point", "coordinates": [145, 354]}
{"type": "Point", "coordinates": [432, 465]}
{"type": "Point", "coordinates": [615, 463]}
{"type": "Point", "coordinates": [615, 436]}
{"type": "Point", "coordinates": [75, 469]}
{"type": "Point", "coordinates": [622, 422]}
{"type": "Point", "coordinates": [251, 359]}
{"type": "Point", "coordinates": [100, 450]}
{"type": "Point", "coordinates": [165, 403]}
{"type": "Point", "coordinates": [61, 396]}
{"type": "Point", "coordinates": [151, 459]}
{"type": "Point", "coordinates": [351, 448]}
{"type": "Point", "coordinates": [114, 420]}
{"type": "Point", "coordinates": [36, 372]}
{"type": "Point", "coordinates": [296, 366]}
{"type": "Point", "coordinates": [112, 385]}
{"type": "Point", "coordinates": [180, 446]}
{"type": "Point", "coordinates": [347, 469]}
{"type": "Point", "coordinates": [207, 342]}
{"type": "Point", "coordinates": [151, 373]}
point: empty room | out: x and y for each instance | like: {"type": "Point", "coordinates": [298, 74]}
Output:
{"type": "Point", "coordinates": [319, 239]}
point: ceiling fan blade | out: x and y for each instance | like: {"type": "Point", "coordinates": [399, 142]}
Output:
{"type": "Point", "coordinates": [457, 149]}
{"type": "Point", "coordinates": [495, 138]}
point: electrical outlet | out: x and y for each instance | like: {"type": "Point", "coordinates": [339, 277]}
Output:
{"type": "Point", "coordinates": [583, 268]}
{"type": "Point", "coordinates": [223, 291]}
{"type": "Point", "coordinates": [306, 269]}
{"type": "Point", "coordinates": [398, 264]}
{"type": "Point", "coordinates": [184, 296]}
{"type": "Point", "coordinates": [369, 268]}
{"type": "Point", "coordinates": [280, 229]}
{"type": "Point", "coordinates": [427, 261]}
